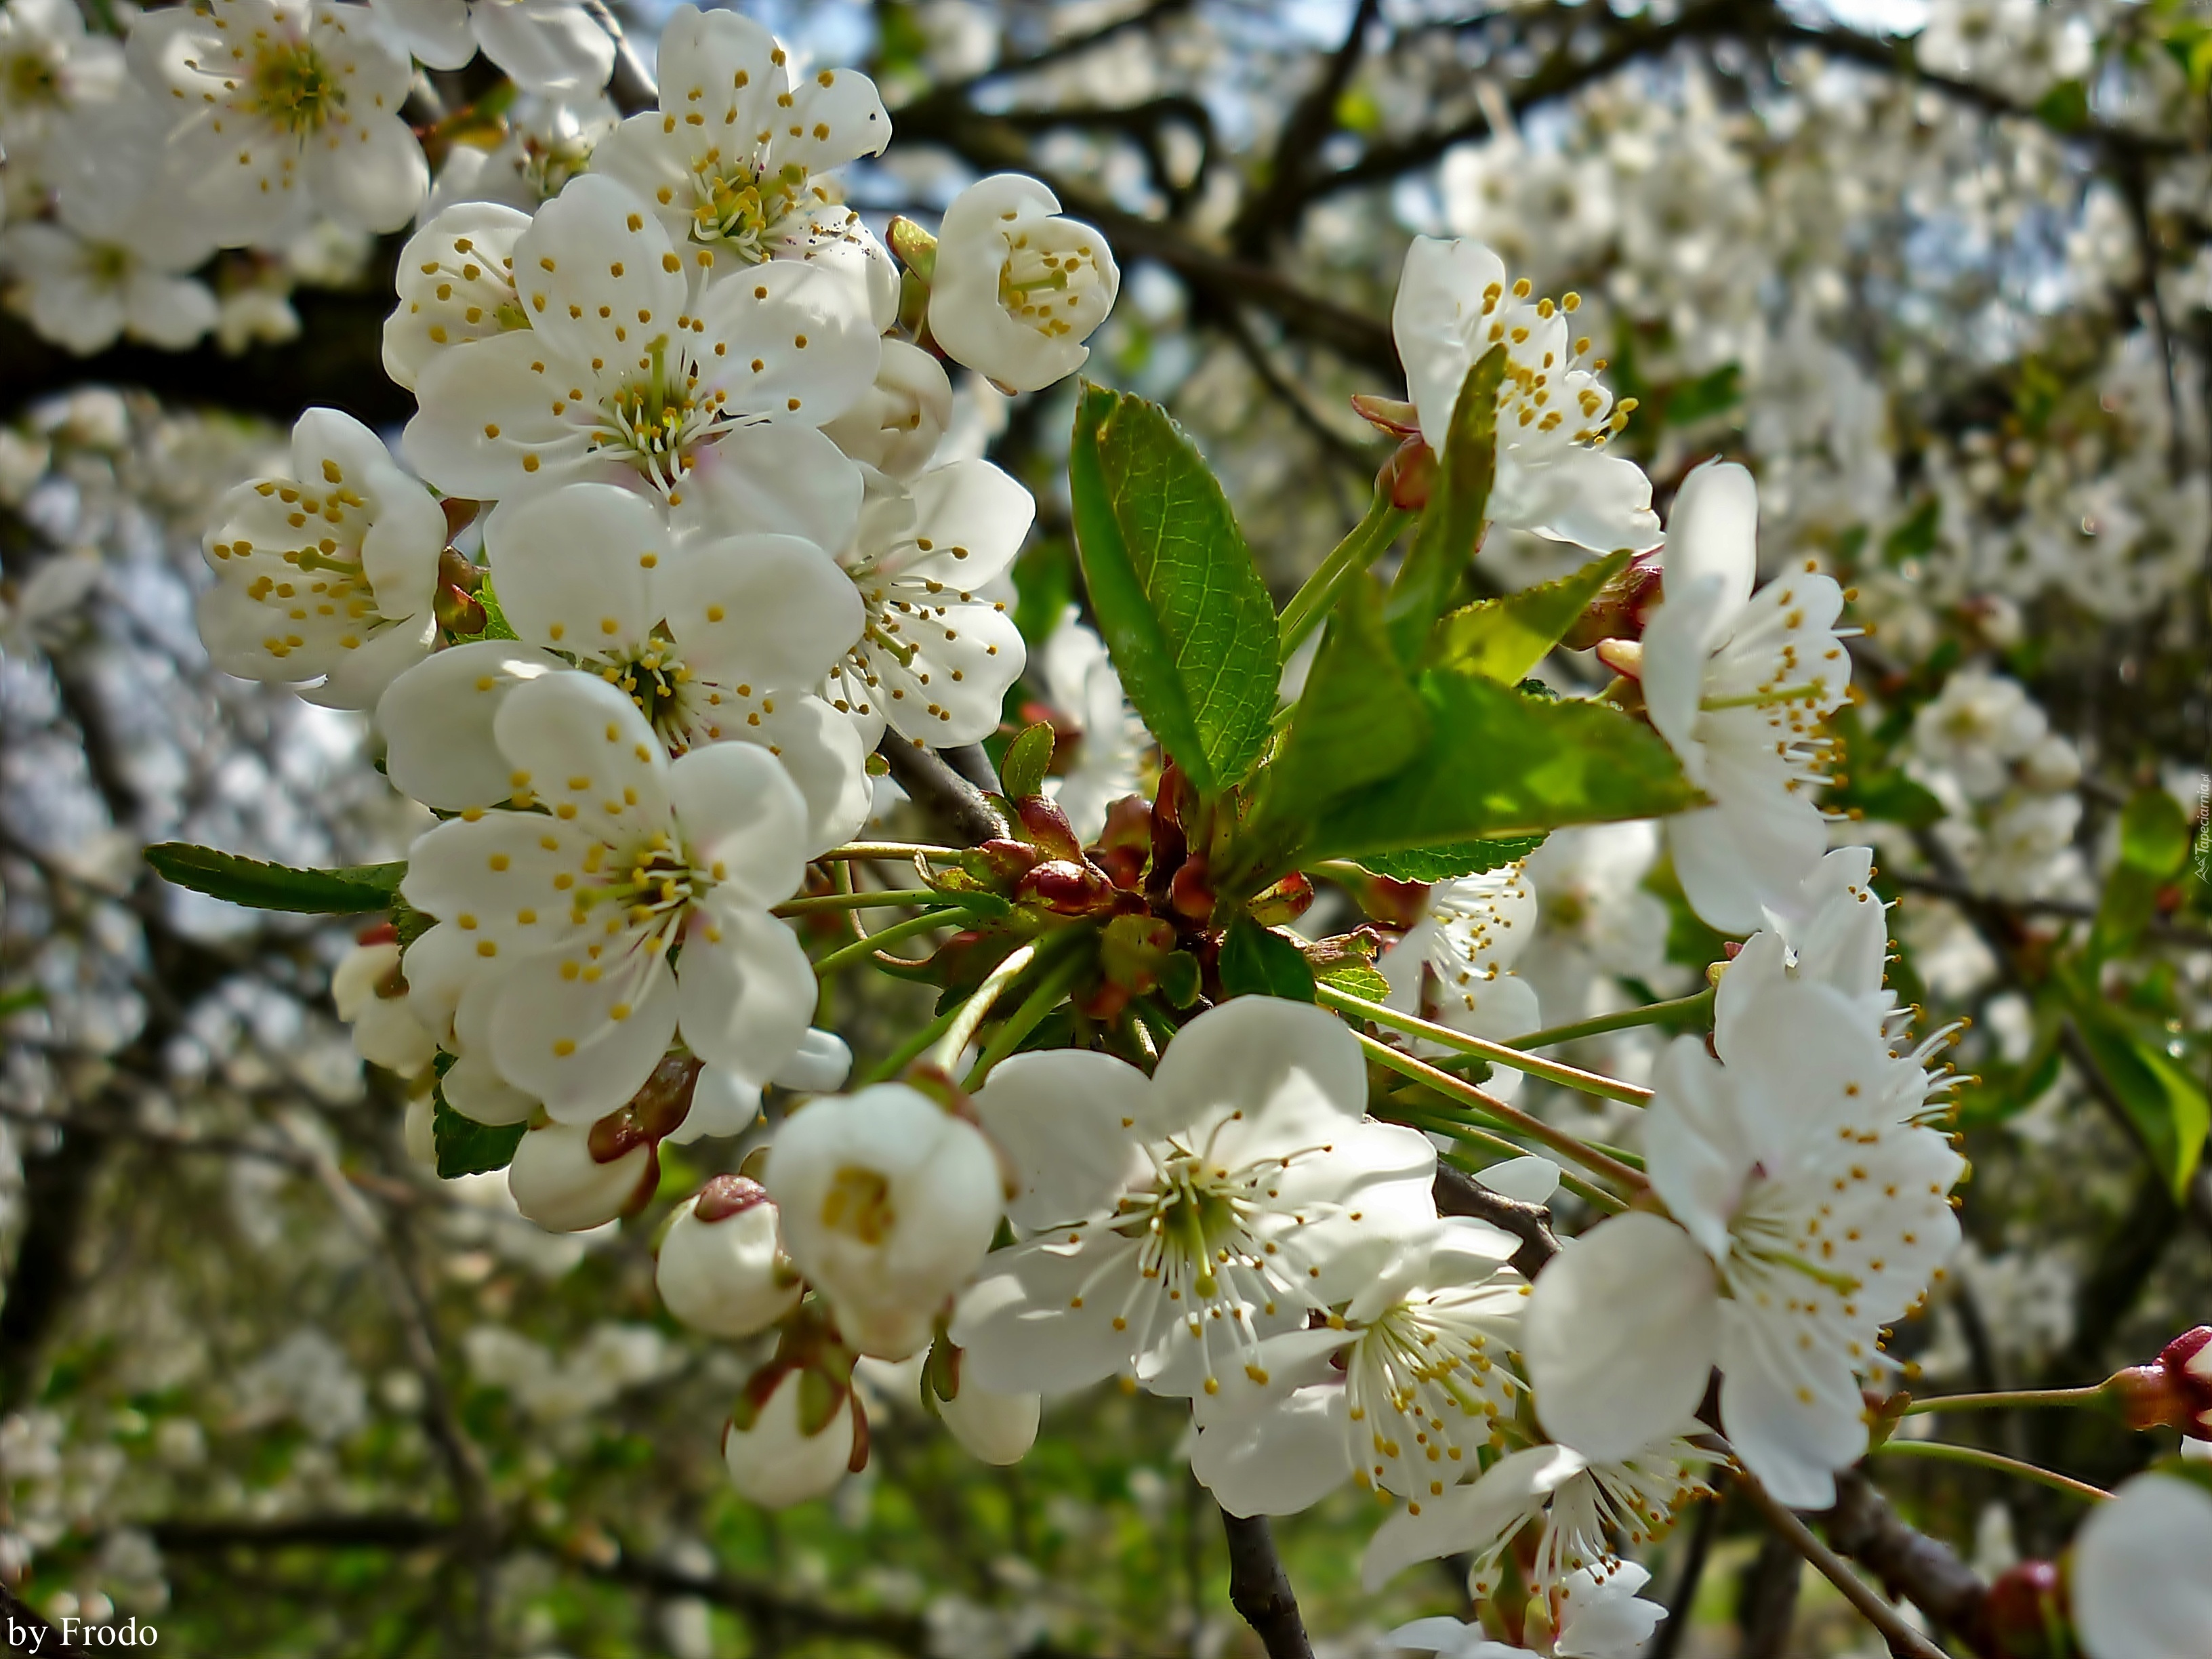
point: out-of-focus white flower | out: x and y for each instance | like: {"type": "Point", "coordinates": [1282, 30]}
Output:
{"type": "Point", "coordinates": [713, 640]}
{"type": "Point", "coordinates": [995, 1428]}
{"type": "Point", "coordinates": [578, 910]}
{"type": "Point", "coordinates": [560, 1181]}
{"type": "Point", "coordinates": [1812, 1210]}
{"type": "Point", "coordinates": [722, 1269]}
{"type": "Point", "coordinates": [735, 162]}
{"type": "Point", "coordinates": [541, 143]}
{"type": "Point", "coordinates": [326, 575]}
{"type": "Point", "coordinates": [1594, 920]}
{"type": "Point", "coordinates": [1976, 728]}
{"type": "Point", "coordinates": [1085, 692]}
{"type": "Point", "coordinates": [935, 658]}
{"type": "Point", "coordinates": [284, 109]}
{"type": "Point", "coordinates": [888, 1203]}
{"type": "Point", "coordinates": [620, 379]}
{"type": "Point", "coordinates": [544, 45]}
{"type": "Point", "coordinates": [384, 1031]}
{"type": "Point", "coordinates": [1737, 683]}
{"type": "Point", "coordinates": [2024, 851]}
{"type": "Point", "coordinates": [1016, 290]}
{"type": "Point", "coordinates": [1594, 1611]}
{"type": "Point", "coordinates": [793, 1437]}
{"type": "Point", "coordinates": [1554, 415]}
{"type": "Point", "coordinates": [1178, 1221]}
{"type": "Point", "coordinates": [2139, 1586]}
{"type": "Point", "coordinates": [81, 293]}
{"type": "Point", "coordinates": [897, 428]}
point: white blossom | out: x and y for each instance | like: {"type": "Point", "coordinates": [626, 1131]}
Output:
{"type": "Point", "coordinates": [385, 1032]}
{"type": "Point", "coordinates": [995, 1428]}
{"type": "Point", "coordinates": [1554, 414]}
{"type": "Point", "coordinates": [1091, 715]}
{"type": "Point", "coordinates": [1016, 290]}
{"type": "Point", "coordinates": [721, 1268]}
{"type": "Point", "coordinates": [544, 45]}
{"type": "Point", "coordinates": [49, 64]}
{"type": "Point", "coordinates": [895, 429]}
{"type": "Point", "coordinates": [796, 1444]}
{"type": "Point", "coordinates": [456, 284]}
{"type": "Point", "coordinates": [2138, 1581]}
{"type": "Point", "coordinates": [1976, 728]}
{"type": "Point", "coordinates": [1455, 965]}
{"type": "Point", "coordinates": [560, 1181]}
{"type": "Point", "coordinates": [1596, 1613]}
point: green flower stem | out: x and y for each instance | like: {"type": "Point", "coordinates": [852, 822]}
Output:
{"type": "Point", "coordinates": [904, 1055]}
{"type": "Point", "coordinates": [1366, 544]}
{"type": "Point", "coordinates": [1465, 1094]}
{"type": "Point", "coordinates": [905, 898]}
{"type": "Point", "coordinates": [1552, 1071]}
{"type": "Point", "coordinates": [958, 1034]}
{"type": "Point", "coordinates": [888, 849]}
{"type": "Point", "coordinates": [1941, 1452]}
{"type": "Point", "coordinates": [2022, 1398]}
{"type": "Point", "coordinates": [845, 955]}
{"type": "Point", "coordinates": [1057, 983]}
{"type": "Point", "coordinates": [1437, 1123]}
{"type": "Point", "coordinates": [1652, 1013]}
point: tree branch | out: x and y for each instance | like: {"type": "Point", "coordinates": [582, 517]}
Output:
{"type": "Point", "coordinates": [1909, 1562]}
{"type": "Point", "coordinates": [1458, 1193]}
{"type": "Point", "coordinates": [932, 784]}
{"type": "Point", "coordinates": [1260, 1590]}
{"type": "Point", "coordinates": [1904, 1641]}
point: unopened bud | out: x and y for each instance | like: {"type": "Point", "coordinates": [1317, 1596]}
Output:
{"type": "Point", "coordinates": [1065, 888]}
{"type": "Point", "coordinates": [1409, 477]}
{"type": "Point", "coordinates": [999, 863]}
{"type": "Point", "coordinates": [915, 247]}
{"type": "Point", "coordinates": [561, 1183]}
{"type": "Point", "coordinates": [1284, 902]}
{"type": "Point", "coordinates": [1188, 893]}
{"type": "Point", "coordinates": [1622, 608]}
{"type": "Point", "coordinates": [1624, 657]}
{"type": "Point", "coordinates": [793, 1440]}
{"type": "Point", "coordinates": [2024, 1615]}
{"type": "Point", "coordinates": [456, 612]}
{"type": "Point", "coordinates": [1048, 829]}
{"type": "Point", "coordinates": [721, 1269]}
{"type": "Point", "coordinates": [2175, 1391]}
{"type": "Point", "coordinates": [995, 1428]}
{"type": "Point", "coordinates": [1392, 415]}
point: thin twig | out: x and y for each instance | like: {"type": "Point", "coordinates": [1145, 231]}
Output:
{"type": "Point", "coordinates": [1903, 1639]}
{"type": "Point", "coordinates": [1260, 1591]}
{"type": "Point", "coordinates": [1552, 1071]}
{"type": "Point", "coordinates": [1938, 1451]}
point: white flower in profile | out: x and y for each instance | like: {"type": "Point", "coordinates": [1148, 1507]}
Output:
{"type": "Point", "coordinates": [1836, 934]}
{"type": "Point", "coordinates": [793, 1437]}
{"type": "Point", "coordinates": [49, 64]}
{"type": "Point", "coordinates": [1091, 715]}
{"type": "Point", "coordinates": [1594, 922]}
{"type": "Point", "coordinates": [542, 141]}
{"type": "Point", "coordinates": [721, 1268]}
{"type": "Point", "coordinates": [572, 1177]}
{"type": "Point", "coordinates": [2138, 1581]}
{"type": "Point", "coordinates": [714, 640]}
{"type": "Point", "coordinates": [619, 379]}
{"type": "Point", "coordinates": [1016, 290]}
{"type": "Point", "coordinates": [283, 110]}
{"type": "Point", "coordinates": [1402, 1391]}
{"type": "Point", "coordinates": [1599, 1615]}
{"type": "Point", "coordinates": [1809, 1210]}
{"type": "Point", "coordinates": [327, 576]}
{"type": "Point", "coordinates": [1737, 683]}
{"type": "Point", "coordinates": [456, 284]}
{"type": "Point", "coordinates": [935, 658]}
{"type": "Point", "coordinates": [888, 1202]}
{"type": "Point", "coordinates": [1578, 1505]}
{"type": "Point", "coordinates": [735, 161]}
{"type": "Point", "coordinates": [1177, 1221]}
{"type": "Point", "coordinates": [1976, 728]}
{"type": "Point", "coordinates": [371, 996]}
{"type": "Point", "coordinates": [544, 45]}
{"type": "Point", "coordinates": [1455, 964]}
{"type": "Point", "coordinates": [1554, 414]}
{"type": "Point", "coordinates": [577, 910]}
{"type": "Point", "coordinates": [897, 427]}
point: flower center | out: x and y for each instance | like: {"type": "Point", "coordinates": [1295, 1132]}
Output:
{"type": "Point", "coordinates": [657, 418]}
{"type": "Point", "coordinates": [31, 79]}
{"type": "Point", "coordinates": [293, 86]}
{"type": "Point", "coordinates": [740, 211]}
{"type": "Point", "coordinates": [1054, 290]}
{"type": "Point", "coordinates": [859, 1206]}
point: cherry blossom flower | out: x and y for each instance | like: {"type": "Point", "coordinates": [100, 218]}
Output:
{"type": "Point", "coordinates": [283, 109]}
{"type": "Point", "coordinates": [1091, 715]}
{"type": "Point", "coordinates": [578, 911]}
{"type": "Point", "coordinates": [620, 379]}
{"type": "Point", "coordinates": [888, 1202]}
{"type": "Point", "coordinates": [734, 163]}
{"type": "Point", "coordinates": [1595, 924]}
{"type": "Point", "coordinates": [995, 1428]}
{"type": "Point", "coordinates": [2138, 1583]}
{"type": "Point", "coordinates": [721, 1268]}
{"type": "Point", "coordinates": [542, 142]}
{"type": "Point", "coordinates": [1455, 964]}
{"type": "Point", "coordinates": [1016, 290]}
{"type": "Point", "coordinates": [714, 640]}
{"type": "Point", "coordinates": [456, 284]}
{"type": "Point", "coordinates": [49, 64]}
{"type": "Point", "coordinates": [1554, 414]}
{"type": "Point", "coordinates": [327, 576]}
{"type": "Point", "coordinates": [1178, 1221]}
{"type": "Point", "coordinates": [1402, 1391]}
{"type": "Point", "coordinates": [795, 1441]}
{"type": "Point", "coordinates": [371, 998]}
{"type": "Point", "coordinates": [1599, 1615]}
{"type": "Point", "coordinates": [1976, 728]}
{"type": "Point", "coordinates": [897, 428]}
{"type": "Point", "coordinates": [570, 1181]}
{"type": "Point", "coordinates": [935, 658]}
{"type": "Point", "coordinates": [1808, 1211]}
{"type": "Point", "coordinates": [544, 45]}
{"type": "Point", "coordinates": [1737, 683]}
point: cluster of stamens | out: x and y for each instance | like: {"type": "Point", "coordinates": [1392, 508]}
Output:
{"type": "Point", "coordinates": [1541, 393]}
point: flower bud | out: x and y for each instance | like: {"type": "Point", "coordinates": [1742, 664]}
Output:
{"type": "Point", "coordinates": [794, 1435]}
{"type": "Point", "coordinates": [1622, 608]}
{"type": "Point", "coordinates": [721, 1269]}
{"type": "Point", "coordinates": [2174, 1391]}
{"type": "Point", "coordinates": [995, 1428]}
{"type": "Point", "coordinates": [820, 1063]}
{"type": "Point", "coordinates": [1284, 902]}
{"type": "Point", "coordinates": [888, 1203]}
{"type": "Point", "coordinates": [1048, 829]}
{"type": "Point", "coordinates": [999, 863]}
{"type": "Point", "coordinates": [1065, 888]}
{"type": "Point", "coordinates": [561, 1183]}
{"type": "Point", "coordinates": [1409, 477]}
{"type": "Point", "coordinates": [371, 995]}
{"type": "Point", "coordinates": [2024, 1614]}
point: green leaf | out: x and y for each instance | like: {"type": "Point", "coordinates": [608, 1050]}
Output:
{"type": "Point", "coordinates": [463, 1145]}
{"type": "Point", "coordinates": [2154, 833]}
{"type": "Point", "coordinates": [1915, 538]}
{"type": "Point", "coordinates": [1260, 961]}
{"type": "Point", "coordinates": [1690, 401]}
{"type": "Point", "coordinates": [1452, 860]}
{"type": "Point", "coordinates": [343, 892]}
{"type": "Point", "coordinates": [2168, 1106]}
{"type": "Point", "coordinates": [1451, 524]}
{"type": "Point", "coordinates": [1359, 979]}
{"type": "Point", "coordinates": [1502, 639]}
{"type": "Point", "coordinates": [1177, 597]}
{"type": "Point", "coordinates": [1358, 721]}
{"type": "Point", "coordinates": [1501, 762]}
{"type": "Point", "coordinates": [1022, 769]}
{"type": "Point", "coordinates": [2065, 106]}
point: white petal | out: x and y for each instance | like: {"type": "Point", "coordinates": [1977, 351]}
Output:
{"type": "Point", "coordinates": [745, 998]}
{"type": "Point", "coordinates": [975, 517]}
{"type": "Point", "coordinates": [1292, 1069]}
{"type": "Point", "coordinates": [1280, 1460]}
{"type": "Point", "coordinates": [1020, 1334]}
{"type": "Point", "coordinates": [2140, 1588]}
{"type": "Point", "coordinates": [1620, 1335]}
{"type": "Point", "coordinates": [485, 413]}
{"type": "Point", "coordinates": [1794, 1416]}
{"type": "Point", "coordinates": [593, 272]}
{"type": "Point", "coordinates": [545, 48]}
{"type": "Point", "coordinates": [781, 478]}
{"type": "Point", "coordinates": [822, 751]}
{"type": "Point", "coordinates": [577, 567]}
{"type": "Point", "coordinates": [743, 819]}
{"type": "Point", "coordinates": [1533, 1180]}
{"type": "Point", "coordinates": [1064, 1116]}
{"type": "Point", "coordinates": [585, 748]}
{"type": "Point", "coordinates": [835, 117]}
{"type": "Point", "coordinates": [437, 717]}
{"type": "Point", "coordinates": [809, 330]}
{"type": "Point", "coordinates": [368, 174]}
{"type": "Point", "coordinates": [558, 1037]}
{"type": "Point", "coordinates": [1713, 532]}
{"type": "Point", "coordinates": [475, 1090]}
{"type": "Point", "coordinates": [1699, 1148]}
{"type": "Point", "coordinates": [772, 612]}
